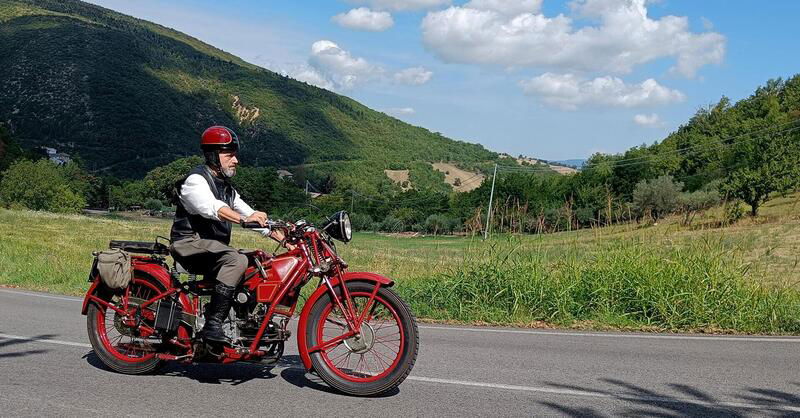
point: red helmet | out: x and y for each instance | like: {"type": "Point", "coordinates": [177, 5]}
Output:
{"type": "Point", "coordinates": [219, 138]}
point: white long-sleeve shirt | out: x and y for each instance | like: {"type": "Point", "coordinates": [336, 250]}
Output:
{"type": "Point", "coordinates": [198, 199]}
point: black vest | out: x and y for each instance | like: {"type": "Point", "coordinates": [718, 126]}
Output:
{"type": "Point", "coordinates": [186, 225]}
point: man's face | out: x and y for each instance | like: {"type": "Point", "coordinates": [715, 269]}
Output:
{"type": "Point", "coordinates": [228, 160]}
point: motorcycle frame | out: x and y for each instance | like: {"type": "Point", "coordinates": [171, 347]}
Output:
{"type": "Point", "coordinates": [332, 276]}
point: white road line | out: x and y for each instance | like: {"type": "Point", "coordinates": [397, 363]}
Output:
{"type": "Point", "coordinates": [39, 295]}
{"type": "Point", "coordinates": [530, 332]}
{"type": "Point", "coordinates": [545, 390]}
{"type": "Point", "coordinates": [632, 335]}
{"type": "Point", "coordinates": [45, 340]}
{"type": "Point", "coordinates": [621, 396]}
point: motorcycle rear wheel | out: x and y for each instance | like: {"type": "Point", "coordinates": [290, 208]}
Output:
{"type": "Point", "coordinates": [116, 345]}
{"type": "Point", "coordinates": [383, 356]}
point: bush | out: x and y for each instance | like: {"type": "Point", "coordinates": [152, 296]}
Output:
{"type": "Point", "coordinates": [659, 197]}
{"type": "Point", "coordinates": [361, 222]}
{"type": "Point", "coordinates": [691, 203]}
{"type": "Point", "coordinates": [440, 224]}
{"type": "Point", "coordinates": [154, 205]}
{"type": "Point", "coordinates": [392, 224]}
{"type": "Point", "coordinates": [39, 185]}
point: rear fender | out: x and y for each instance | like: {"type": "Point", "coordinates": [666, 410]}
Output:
{"type": "Point", "coordinates": [302, 347]}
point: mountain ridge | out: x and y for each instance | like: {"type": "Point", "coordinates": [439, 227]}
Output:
{"type": "Point", "coordinates": [127, 95]}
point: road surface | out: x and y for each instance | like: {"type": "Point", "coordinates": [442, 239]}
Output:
{"type": "Point", "coordinates": [47, 368]}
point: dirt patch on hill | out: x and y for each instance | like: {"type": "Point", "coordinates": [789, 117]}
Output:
{"type": "Point", "coordinates": [560, 169]}
{"type": "Point", "coordinates": [461, 180]}
{"type": "Point", "coordinates": [243, 113]}
{"type": "Point", "coordinates": [400, 177]}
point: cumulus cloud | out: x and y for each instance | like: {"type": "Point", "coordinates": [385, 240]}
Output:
{"type": "Point", "coordinates": [506, 7]}
{"type": "Point", "coordinates": [514, 33]}
{"type": "Point", "coordinates": [414, 76]}
{"type": "Point", "coordinates": [363, 18]}
{"type": "Point", "coordinates": [342, 70]}
{"type": "Point", "coordinates": [569, 92]}
{"type": "Point", "coordinates": [403, 5]}
{"type": "Point", "coordinates": [651, 120]}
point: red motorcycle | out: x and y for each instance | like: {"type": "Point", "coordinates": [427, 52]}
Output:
{"type": "Point", "coordinates": [353, 331]}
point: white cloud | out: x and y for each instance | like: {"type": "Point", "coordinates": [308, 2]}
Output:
{"type": "Point", "coordinates": [401, 111]}
{"type": "Point", "coordinates": [402, 5]}
{"type": "Point", "coordinates": [363, 18]}
{"type": "Point", "coordinates": [651, 120]}
{"type": "Point", "coordinates": [569, 92]}
{"type": "Point", "coordinates": [310, 76]}
{"type": "Point", "coordinates": [339, 67]}
{"type": "Point", "coordinates": [414, 76]}
{"type": "Point", "coordinates": [622, 37]}
{"type": "Point", "coordinates": [507, 7]}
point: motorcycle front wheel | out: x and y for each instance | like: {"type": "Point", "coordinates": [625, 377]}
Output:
{"type": "Point", "coordinates": [380, 358]}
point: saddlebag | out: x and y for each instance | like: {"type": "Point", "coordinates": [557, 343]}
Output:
{"type": "Point", "coordinates": [114, 267]}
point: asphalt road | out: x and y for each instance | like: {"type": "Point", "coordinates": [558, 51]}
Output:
{"type": "Point", "coordinates": [47, 368]}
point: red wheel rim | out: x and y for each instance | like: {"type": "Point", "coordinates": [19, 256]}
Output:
{"type": "Point", "coordinates": [129, 349]}
{"type": "Point", "coordinates": [385, 352]}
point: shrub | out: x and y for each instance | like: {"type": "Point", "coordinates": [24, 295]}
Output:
{"type": "Point", "coordinates": [361, 221]}
{"type": "Point", "coordinates": [39, 185]}
{"type": "Point", "coordinates": [690, 204]}
{"type": "Point", "coordinates": [153, 204]}
{"type": "Point", "coordinates": [659, 197]}
{"type": "Point", "coordinates": [392, 224]}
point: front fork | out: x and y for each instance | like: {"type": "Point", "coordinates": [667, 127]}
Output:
{"type": "Point", "coordinates": [353, 319]}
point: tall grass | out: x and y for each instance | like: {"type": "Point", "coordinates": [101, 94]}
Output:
{"type": "Point", "coordinates": [701, 286]}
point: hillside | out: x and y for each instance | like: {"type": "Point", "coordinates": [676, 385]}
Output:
{"type": "Point", "coordinates": [128, 95]}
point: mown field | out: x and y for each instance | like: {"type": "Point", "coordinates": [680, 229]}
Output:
{"type": "Point", "coordinates": [665, 277]}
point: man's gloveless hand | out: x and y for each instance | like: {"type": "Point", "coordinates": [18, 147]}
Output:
{"type": "Point", "coordinates": [259, 217]}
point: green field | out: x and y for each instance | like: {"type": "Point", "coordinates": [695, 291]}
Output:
{"type": "Point", "coordinates": [740, 278]}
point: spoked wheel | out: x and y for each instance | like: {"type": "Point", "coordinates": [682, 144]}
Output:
{"type": "Point", "coordinates": [377, 360]}
{"type": "Point", "coordinates": [122, 342]}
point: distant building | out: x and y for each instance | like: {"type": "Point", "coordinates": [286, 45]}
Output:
{"type": "Point", "coordinates": [53, 155]}
{"type": "Point", "coordinates": [284, 175]}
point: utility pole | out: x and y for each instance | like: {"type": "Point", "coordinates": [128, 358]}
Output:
{"type": "Point", "coordinates": [352, 200]}
{"type": "Point", "coordinates": [306, 187]}
{"type": "Point", "coordinates": [489, 213]}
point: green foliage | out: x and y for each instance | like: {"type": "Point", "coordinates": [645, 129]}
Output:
{"type": "Point", "coordinates": [160, 181]}
{"type": "Point", "coordinates": [262, 189]}
{"type": "Point", "coordinates": [153, 204]}
{"type": "Point", "coordinates": [691, 288]}
{"type": "Point", "coordinates": [657, 197]}
{"type": "Point", "coordinates": [40, 185]}
{"type": "Point", "coordinates": [690, 204]}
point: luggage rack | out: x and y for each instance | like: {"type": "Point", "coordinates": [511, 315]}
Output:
{"type": "Point", "coordinates": [141, 247]}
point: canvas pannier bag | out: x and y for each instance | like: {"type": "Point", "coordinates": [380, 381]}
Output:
{"type": "Point", "coordinates": [114, 267]}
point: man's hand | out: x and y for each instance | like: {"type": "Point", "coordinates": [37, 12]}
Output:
{"type": "Point", "coordinates": [279, 236]}
{"type": "Point", "coordinates": [259, 217]}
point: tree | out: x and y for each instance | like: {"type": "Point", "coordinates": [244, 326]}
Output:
{"type": "Point", "coordinates": [39, 185]}
{"type": "Point", "coordinates": [659, 196]}
{"type": "Point", "coordinates": [766, 163]}
{"type": "Point", "coordinates": [689, 204]}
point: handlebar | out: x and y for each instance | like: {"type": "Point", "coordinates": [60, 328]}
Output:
{"type": "Point", "coordinates": [270, 224]}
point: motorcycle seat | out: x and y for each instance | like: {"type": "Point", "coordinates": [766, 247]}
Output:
{"type": "Point", "coordinates": [140, 247]}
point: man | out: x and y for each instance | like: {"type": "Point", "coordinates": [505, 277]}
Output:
{"type": "Point", "coordinates": [207, 205]}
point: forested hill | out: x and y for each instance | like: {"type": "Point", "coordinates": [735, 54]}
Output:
{"type": "Point", "coordinates": [128, 95]}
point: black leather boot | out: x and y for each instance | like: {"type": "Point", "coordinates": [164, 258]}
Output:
{"type": "Point", "coordinates": [217, 312]}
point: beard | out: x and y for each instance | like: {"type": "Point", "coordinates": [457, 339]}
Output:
{"type": "Point", "coordinates": [229, 171]}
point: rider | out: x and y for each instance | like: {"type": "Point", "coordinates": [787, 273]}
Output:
{"type": "Point", "coordinates": [207, 204]}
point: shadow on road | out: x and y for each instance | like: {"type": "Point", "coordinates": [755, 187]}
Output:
{"type": "Point", "coordinates": [23, 353]}
{"type": "Point", "coordinates": [682, 400]}
{"type": "Point", "coordinates": [289, 368]}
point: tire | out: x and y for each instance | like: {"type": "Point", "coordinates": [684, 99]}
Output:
{"type": "Point", "coordinates": [121, 361]}
{"type": "Point", "coordinates": [370, 381]}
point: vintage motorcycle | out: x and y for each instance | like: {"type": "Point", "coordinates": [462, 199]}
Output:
{"type": "Point", "coordinates": [354, 332]}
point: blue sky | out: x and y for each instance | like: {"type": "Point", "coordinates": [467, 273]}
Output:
{"type": "Point", "coordinates": [552, 79]}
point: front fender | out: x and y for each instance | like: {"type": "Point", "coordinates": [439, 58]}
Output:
{"type": "Point", "coordinates": [302, 347]}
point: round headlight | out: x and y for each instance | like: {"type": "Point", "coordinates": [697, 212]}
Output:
{"type": "Point", "coordinates": [347, 227]}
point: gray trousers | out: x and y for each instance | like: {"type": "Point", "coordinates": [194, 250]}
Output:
{"type": "Point", "coordinates": [210, 258]}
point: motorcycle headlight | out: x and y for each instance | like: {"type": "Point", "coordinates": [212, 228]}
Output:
{"type": "Point", "coordinates": [339, 227]}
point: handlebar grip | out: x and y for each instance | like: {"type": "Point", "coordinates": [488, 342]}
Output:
{"type": "Point", "coordinates": [253, 225]}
